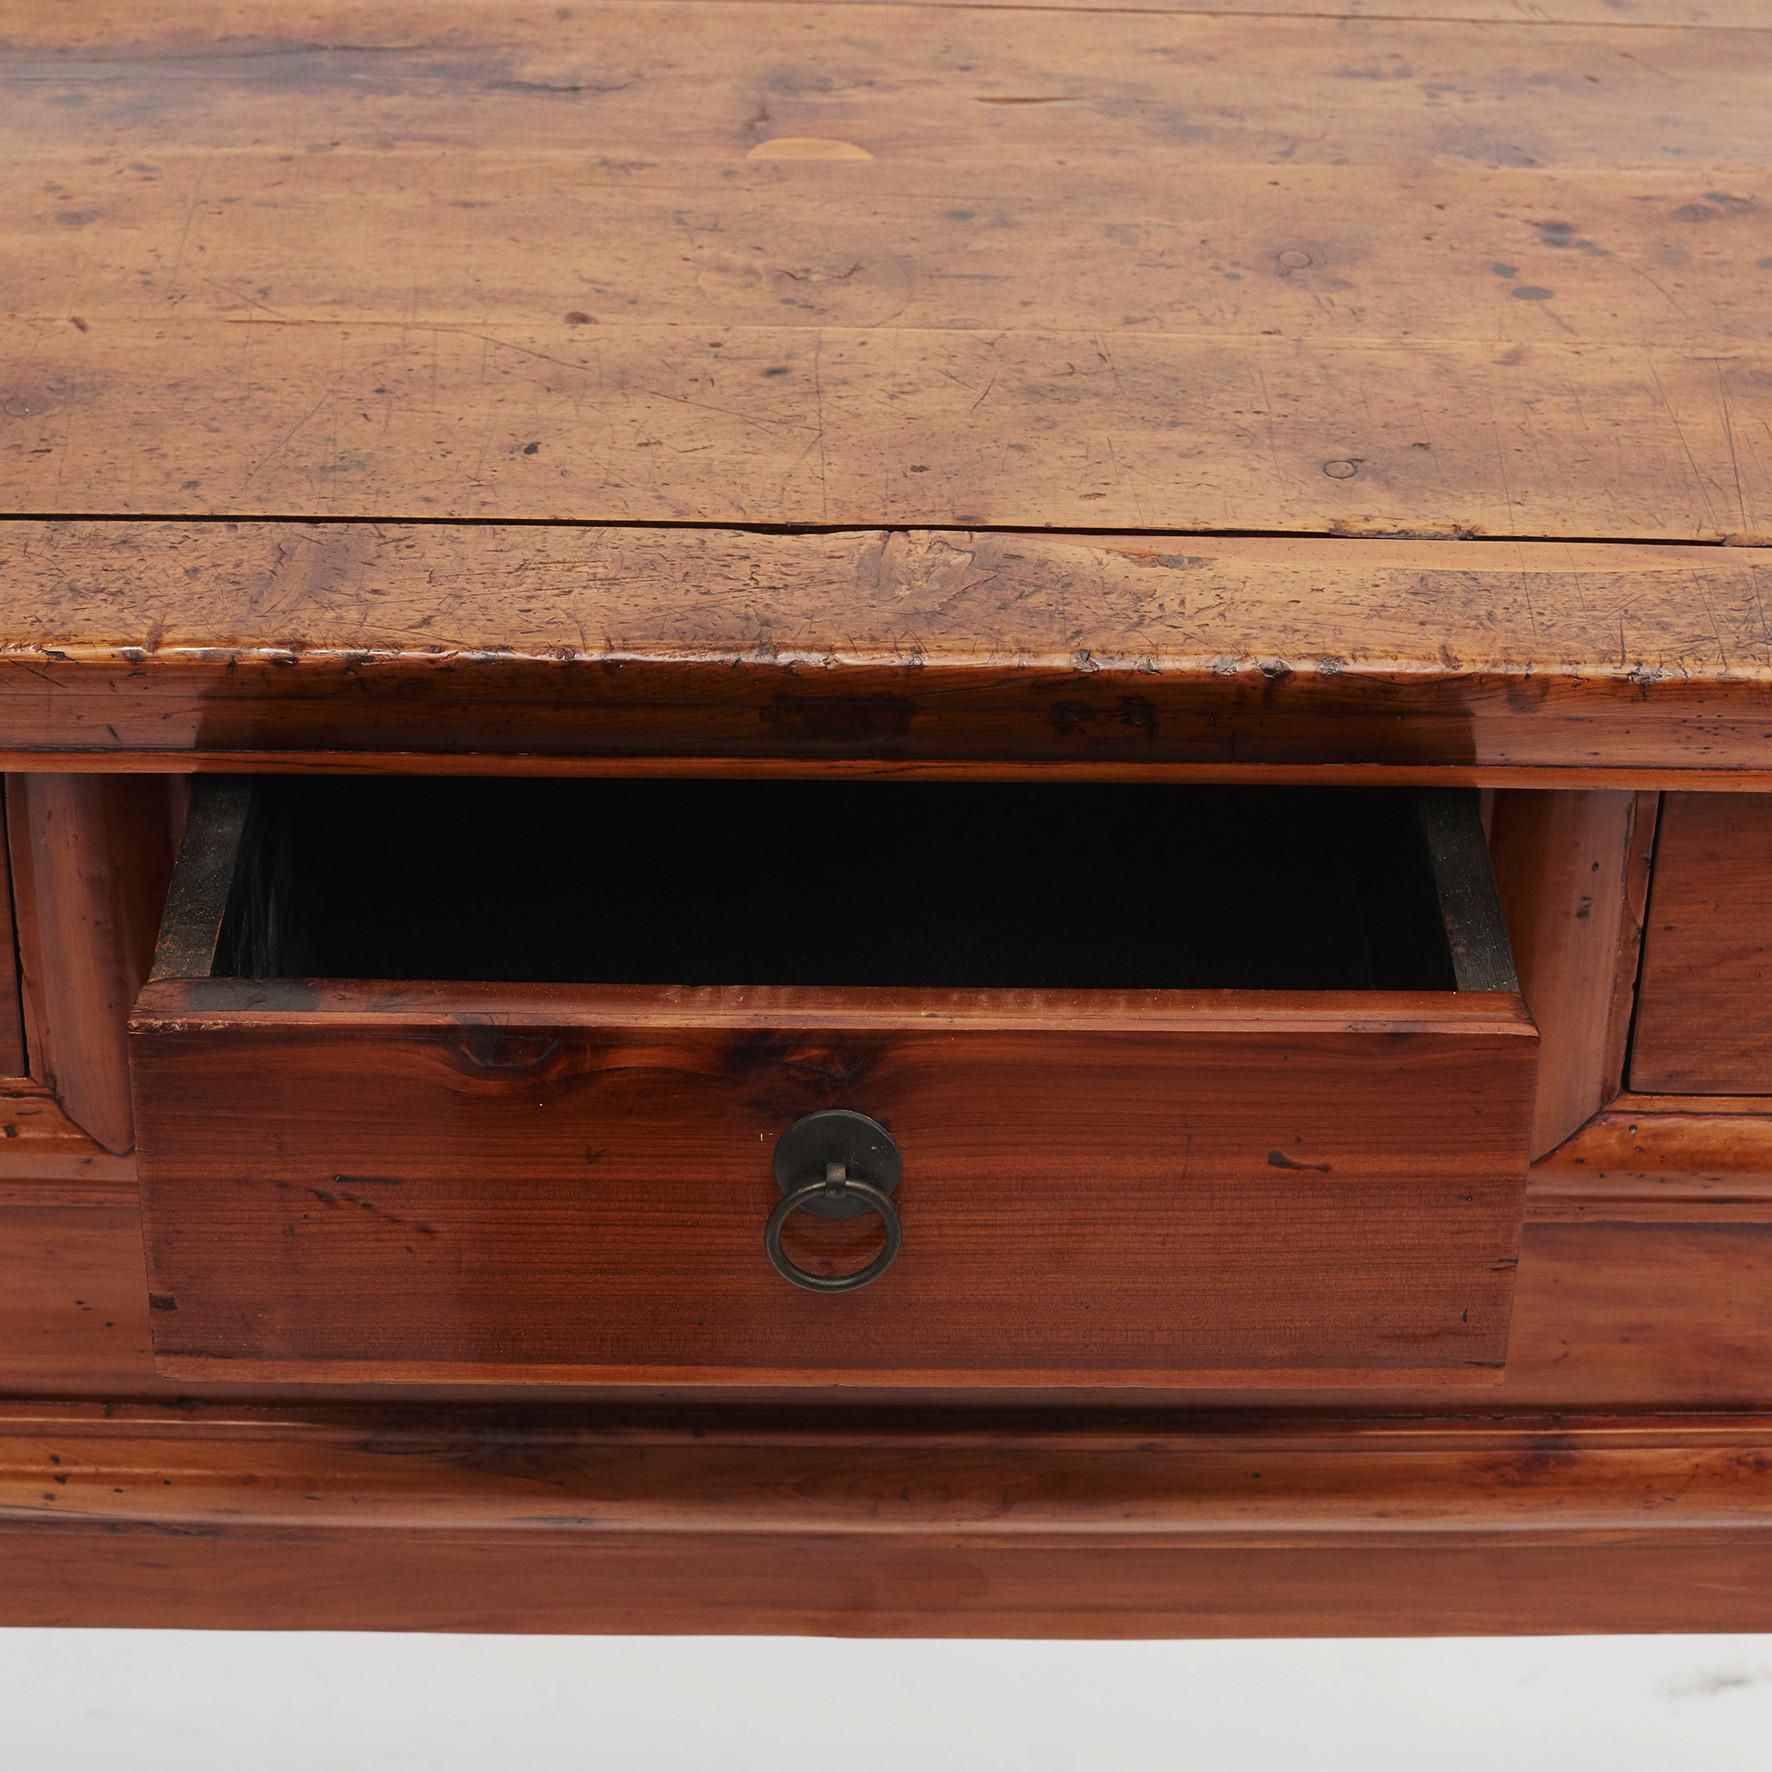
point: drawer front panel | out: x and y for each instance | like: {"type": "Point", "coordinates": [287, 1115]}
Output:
{"type": "Point", "coordinates": [572, 1184]}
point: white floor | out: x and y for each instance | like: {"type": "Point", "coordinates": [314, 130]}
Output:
{"type": "Point", "coordinates": [155, 1701]}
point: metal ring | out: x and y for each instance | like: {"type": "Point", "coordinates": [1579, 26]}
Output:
{"type": "Point", "coordinates": [791, 1203]}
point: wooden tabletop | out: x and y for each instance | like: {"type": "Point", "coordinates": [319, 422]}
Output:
{"type": "Point", "coordinates": [1186, 384]}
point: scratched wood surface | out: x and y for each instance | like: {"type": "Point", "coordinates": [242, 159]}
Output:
{"type": "Point", "coordinates": [792, 264]}
{"type": "Point", "coordinates": [287, 1518]}
{"type": "Point", "coordinates": [1678, 13]}
{"type": "Point", "coordinates": [242, 16]}
{"type": "Point", "coordinates": [1268, 1480]}
{"type": "Point", "coordinates": [390, 643]}
{"type": "Point", "coordinates": [1659, 1158]}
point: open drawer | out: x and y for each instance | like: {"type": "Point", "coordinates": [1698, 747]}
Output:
{"type": "Point", "coordinates": [1156, 1085]}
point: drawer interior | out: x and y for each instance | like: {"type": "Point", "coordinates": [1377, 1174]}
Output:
{"type": "Point", "coordinates": [830, 884]}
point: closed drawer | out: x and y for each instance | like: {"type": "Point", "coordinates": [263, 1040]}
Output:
{"type": "Point", "coordinates": [465, 1080]}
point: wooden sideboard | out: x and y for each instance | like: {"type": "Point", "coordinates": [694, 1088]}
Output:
{"type": "Point", "coordinates": [1113, 660]}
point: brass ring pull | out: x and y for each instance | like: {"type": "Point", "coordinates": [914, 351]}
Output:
{"type": "Point", "coordinates": [837, 1186]}
{"type": "Point", "coordinates": [835, 1163]}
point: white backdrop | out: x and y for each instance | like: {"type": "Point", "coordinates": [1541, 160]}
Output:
{"type": "Point", "coordinates": [162, 1701]}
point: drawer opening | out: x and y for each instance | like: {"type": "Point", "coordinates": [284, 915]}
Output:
{"type": "Point", "coordinates": [833, 884]}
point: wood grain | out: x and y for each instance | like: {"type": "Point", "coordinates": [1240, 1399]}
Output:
{"type": "Point", "coordinates": [1253, 269]}
{"type": "Point", "coordinates": [43, 1153]}
{"type": "Point", "coordinates": [1672, 1157]}
{"type": "Point", "coordinates": [1573, 873]}
{"type": "Point", "coordinates": [1315, 1174]}
{"type": "Point", "coordinates": [232, 18]}
{"type": "Point", "coordinates": [1673, 14]}
{"type": "Point", "coordinates": [1677, 14]}
{"type": "Point", "coordinates": [91, 857]}
{"type": "Point", "coordinates": [733, 330]}
{"type": "Point", "coordinates": [148, 1517]}
{"type": "Point", "coordinates": [1214, 1190]}
{"type": "Point", "coordinates": [760, 263]}
{"type": "Point", "coordinates": [413, 646]}
{"type": "Point", "coordinates": [551, 1580]}
{"type": "Point", "coordinates": [1704, 1025]}
{"type": "Point", "coordinates": [74, 1308]}
{"type": "Point", "coordinates": [1275, 1482]}
{"type": "Point", "coordinates": [12, 1010]}
{"type": "Point", "coordinates": [520, 766]}
{"type": "Point", "coordinates": [1607, 1316]}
